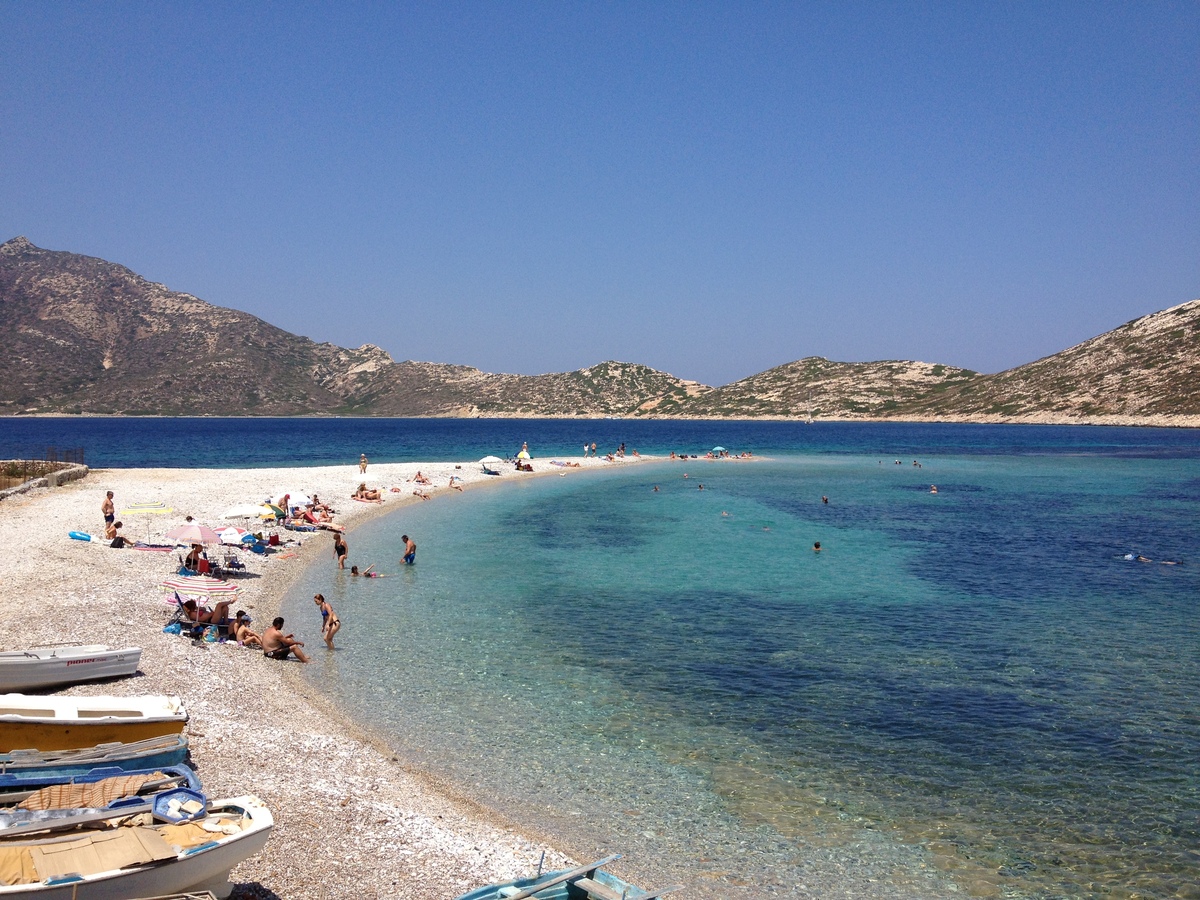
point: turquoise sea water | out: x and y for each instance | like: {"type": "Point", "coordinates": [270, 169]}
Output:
{"type": "Point", "coordinates": [676, 674]}
{"type": "Point", "coordinates": [976, 675]}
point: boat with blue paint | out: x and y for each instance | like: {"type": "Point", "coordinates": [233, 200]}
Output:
{"type": "Point", "coordinates": [589, 882]}
{"type": "Point", "coordinates": [151, 753]}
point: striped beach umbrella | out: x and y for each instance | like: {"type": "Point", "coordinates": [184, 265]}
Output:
{"type": "Point", "coordinates": [200, 586]}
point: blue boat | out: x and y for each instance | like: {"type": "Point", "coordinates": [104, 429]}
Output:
{"type": "Point", "coordinates": [14, 783]}
{"type": "Point", "coordinates": [150, 753]}
{"type": "Point", "coordinates": [588, 882]}
{"type": "Point", "coordinates": [35, 802]}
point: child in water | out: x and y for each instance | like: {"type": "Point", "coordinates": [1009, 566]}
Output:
{"type": "Point", "coordinates": [366, 573]}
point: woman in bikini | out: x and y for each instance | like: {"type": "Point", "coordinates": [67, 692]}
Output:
{"type": "Point", "coordinates": [218, 615]}
{"type": "Point", "coordinates": [330, 623]}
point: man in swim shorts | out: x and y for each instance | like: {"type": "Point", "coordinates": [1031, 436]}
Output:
{"type": "Point", "coordinates": [410, 549]}
{"type": "Point", "coordinates": [107, 509]}
{"type": "Point", "coordinates": [277, 645]}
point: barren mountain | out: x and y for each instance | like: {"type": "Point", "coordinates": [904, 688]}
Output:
{"type": "Point", "coordinates": [85, 335]}
{"type": "Point", "coordinates": [1146, 369]}
{"type": "Point", "coordinates": [818, 387]}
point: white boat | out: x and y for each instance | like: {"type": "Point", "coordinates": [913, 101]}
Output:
{"type": "Point", "coordinates": [137, 860]}
{"type": "Point", "coordinates": [47, 667]}
{"type": "Point", "coordinates": [64, 723]}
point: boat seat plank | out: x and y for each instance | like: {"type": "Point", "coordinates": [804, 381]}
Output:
{"type": "Point", "coordinates": [565, 876]}
{"type": "Point", "coordinates": [597, 890]}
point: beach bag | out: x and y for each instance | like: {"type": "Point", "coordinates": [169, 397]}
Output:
{"type": "Point", "coordinates": [173, 628]}
{"type": "Point", "coordinates": [211, 633]}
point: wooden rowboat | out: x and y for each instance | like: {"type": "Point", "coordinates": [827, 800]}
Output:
{"type": "Point", "coordinates": [114, 861]}
{"type": "Point", "coordinates": [588, 882]}
{"type": "Point", "coordinates": [48, 667]}
{"type": "Point", "coordinates": [151, 753]}
{"type": "Point", "coordinates": [60, 723]}
{"type": "Point", "coordinates": [18, 788]}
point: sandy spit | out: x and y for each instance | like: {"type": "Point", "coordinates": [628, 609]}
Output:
{"type": "Point", "coordinates": [351, 821]}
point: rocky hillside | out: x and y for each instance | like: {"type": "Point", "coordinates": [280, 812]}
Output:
{"type": "Point", "coordinates": [818, 387]}
{"type": "Point", "coordinates": [87, 336]}
{"type": "Point", "coordinates": [1146, 369]}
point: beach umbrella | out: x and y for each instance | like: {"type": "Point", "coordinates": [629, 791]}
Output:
{"type": "Point", "coordinates": [270, 509]}
{"type": "Point", "coordinates": [193, 533]}
{"type": "Point", "coordinates": [155, 508]}
{"type": "Point", "coordinates": [491, 459]}
{"type": "Point", "coordinates": [243, 511]}
{"type": "Point", "coordinates": [524, 454]}
{"type": "Point", "coordinates": [295, 498]}
{"type": "Point", "coordinates": [200, 586]}
{"type": "Point", "coordinates": [231, 535]}
{"type": "Point", "coordinates": [718, 449]}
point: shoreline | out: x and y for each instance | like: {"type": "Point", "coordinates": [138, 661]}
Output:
{"type": "Point", "coordinates": [381, 827]}
{"type": "Point", "coordinates": [1115, 420]}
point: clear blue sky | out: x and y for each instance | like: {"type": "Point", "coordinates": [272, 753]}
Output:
{"type": "Point", "coordinates": [709, 189]}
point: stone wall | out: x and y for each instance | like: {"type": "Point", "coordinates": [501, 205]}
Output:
{"type": "Point", "coordinates": [49, 480]}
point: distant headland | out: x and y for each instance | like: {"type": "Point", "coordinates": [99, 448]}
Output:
{"type": "Point", "coordinates": [89, 337]}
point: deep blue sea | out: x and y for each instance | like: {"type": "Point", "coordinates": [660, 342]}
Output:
{"type": "Point", "coordinates": [677, 675]}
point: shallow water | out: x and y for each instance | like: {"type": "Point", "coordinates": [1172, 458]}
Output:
{"type": "Point", "coordinates": [677, 675]}
{"type": "Point", "coordinates": [973, 681]}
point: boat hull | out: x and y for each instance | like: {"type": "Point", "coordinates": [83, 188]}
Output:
{"type": "Point", "coordinates": [569, 889]}
{"type": "Point", "coordinates": [42, 668]}
{"type": "Point", "coordinates": [204, 868]}
{"type": "Point", "coordinates": [168, 750]}
{"type": "Point", "coordinates": [65, 723]}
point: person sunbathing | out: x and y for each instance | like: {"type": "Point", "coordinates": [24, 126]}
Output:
{"type": "Point", "coordinates": [240, 630]}
{"type": "Point", "coordinates": [365, 493]}
{"type": "Point", "coordinates": [218, 615]}
{"type": "Point", "coordinates": [421, 479]}
{"type": "Point", "coordinates": [421, 494]}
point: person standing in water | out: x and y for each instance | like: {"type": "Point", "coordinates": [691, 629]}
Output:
{"type": "Point", "coordinates": [340, 549]}
{"type": "Point", "coordinates": [330, 623]}
{"type": "Point", "coordinates": [410, 550]}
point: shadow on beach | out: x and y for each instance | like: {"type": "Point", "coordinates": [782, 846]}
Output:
{"type": "Point", "coordinates": [253, 891]}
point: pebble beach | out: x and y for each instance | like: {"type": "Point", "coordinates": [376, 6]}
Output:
{"type": "Point", "coordinates": [351, 819]}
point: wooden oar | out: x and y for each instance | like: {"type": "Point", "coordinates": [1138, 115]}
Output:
{"type": "Point", "coordinates": [64, 823]}
{"type": "Point", "coordinates": [559, 879]}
